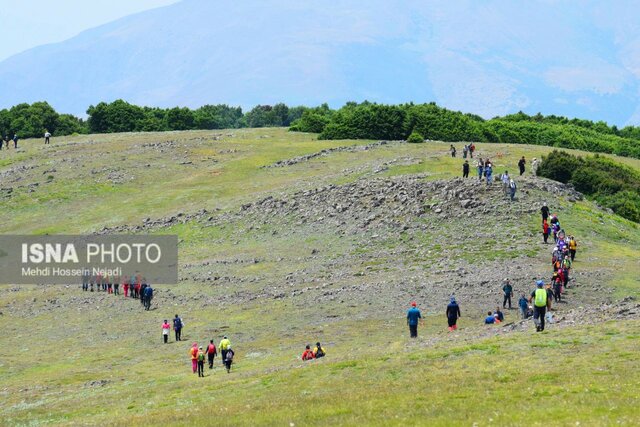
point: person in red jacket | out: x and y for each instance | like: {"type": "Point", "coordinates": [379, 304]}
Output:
{"type": "Point", "coordinates": [125, 285]}
{"type": "Point", "coordinates": [545, 230]}
{"type": "Point", "coordinates": [212, 351]}
{"type": "Point", "coordinates": [308, 354]}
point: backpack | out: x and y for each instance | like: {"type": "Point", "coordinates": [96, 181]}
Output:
{"type": "Point", "coordinates": [229, 355]}
{"type": "Point", "coordinates": [541, 297]}
{"type": "Point", "coordinates": [200, 357]}
{"type": "Point", "coordinates": [320, 352]}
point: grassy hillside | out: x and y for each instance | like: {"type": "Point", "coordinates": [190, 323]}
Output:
{"type": "Point", "coordinates": [276, 264]}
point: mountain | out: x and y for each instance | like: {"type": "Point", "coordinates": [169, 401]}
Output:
{"type": "Point", "coordinates": [491, 58]}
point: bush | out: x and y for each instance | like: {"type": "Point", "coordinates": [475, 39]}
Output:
{"type": "Point", "coordinates": [415, 137]}
{"type": "Point", "coordinates": [612, 184]}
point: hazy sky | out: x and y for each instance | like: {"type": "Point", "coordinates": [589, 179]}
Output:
{"type": "Point", "coordinates": [29, 23]}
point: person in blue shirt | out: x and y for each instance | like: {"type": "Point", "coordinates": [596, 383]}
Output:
{"type": "Point", "coordinates": [490, 320]}
{"type": "Point", "coordinates": [413, 317]}
{"type": "Point", "coordinates": [524, 306]}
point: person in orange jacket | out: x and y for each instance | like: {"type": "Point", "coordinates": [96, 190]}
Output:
{"type": "Point", "coordinates": [308, 354]}
{"type": "Point", "coordinates": [194, 357]}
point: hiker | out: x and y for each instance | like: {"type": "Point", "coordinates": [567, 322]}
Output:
{"type": "Point", "coordinates": [524, 305]}
{"type": "Point", "coordinates": [539, 299]}
{"type": "Point", "coordinates": [212, 352]}
{"type": "Point", "coordinates": [143, 288]}
{"type": "Point", "coordinates": [499, 314]}
{"type": "Point", "coordinates": [109, 285]}
{"type": "Point", "coordinates": [545, 231]}
{"type": "Point", "coordinates": [125, 286]}
{"type": "Point", "coordinates": [15, 141]}
{"type": "Point", "coordinates": [521, 164]}
{"type": "Point", "coordinates": [488, 171]}
{"type": "Point", "coordinates": [544, 210]}
{"type": "Point", "coordinates": [453, 312]}
{"type": "Point", "coordinates": [148, 296]}
{"type": "Point", "coordinates": [512, 189]}
{"type": "Point", "coordinates": [507, 289]}
{"type": "Point", "coordinates": [85, 281]}
{"type": "Point", "coordinates": [318, 351]}
{"type": "Point", "coordinates": [307, 354]}
{"type": "Point", "coordinates": [465, 169]}
{"type": "Point", "coordinates": [453, 151]}
{"type": "Point", "coordinates": [116, 286]}
{"type": "Point", "coordinates": [534, 166]}
{"type": "Point", "coordinates": [165, 330]}
{"type": "Point", "coordinates": [200, 362]}
{"type": "Point", "coordinates": [573, 246]}
{"type": "Point", "coordinates": [132, 287]}
{"type": "Point", "coordinates": [194, 357]}
{"type": "Point", "coordinates": [225, 344]}
{"type": "Point", "coordinates": [490, 319]}
{"type": "Point", "coordinates": [228, 358]}
{"type": "Point", "coordinates": [505, 182]}
{"type": "Point", "coordinates": [177, 327]}
{"type": "Point", "coordinates": [472, 149]}
{"type": "Point", "coordinates": [413, 317]}
{"type": "Point", "coordinates": [480, 167]}
{"type": "Point", "coordinates": [465, 149]}
{"type": "Point", "coordinates": [557, 288]}
{"type": "Point", "coordinates": [47, 135]}
{"type": "Point", "coordinates": [555, 229]}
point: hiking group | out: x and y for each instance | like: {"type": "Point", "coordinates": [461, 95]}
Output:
{"type": "Point", "coordinates": [484, 168]}
{"type": "Point", "coordinates": [538, 303]}
{"type": "Point", "coordinates": [133, 286]}
{"type": "Point", "coordinates": [199, 355]}
{"type": "Point", "coordinates": [5, 141]}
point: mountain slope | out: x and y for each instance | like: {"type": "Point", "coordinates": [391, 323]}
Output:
{"type": "Point", "coordinates": [489, 59]}
{"type": "Point", "coordinates": [281, 247]}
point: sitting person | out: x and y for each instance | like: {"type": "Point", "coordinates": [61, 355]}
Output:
{"type": "Point", "coordinates": [490, 320]}
{"type": "Point", "coordinates": [499, 314]}
{"type": "Point", "coordinates": [497, 317]}
{"type": "Point", "coordinates": [318, 351]}
{"type": "Point", "coordinates": [308, 354]}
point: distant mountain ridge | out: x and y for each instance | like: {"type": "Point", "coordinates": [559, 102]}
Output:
{"type": "Point", "coordinates": [490, 59]}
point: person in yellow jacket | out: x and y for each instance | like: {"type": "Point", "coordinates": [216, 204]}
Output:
{"type": "Point", "coordinates": [573, 246]}
{"type": "Point", "coordinates": [318, 351]}
{"type": "Point", "coordinates": [540, 302]}
{"type": "Point", "coordinates": [225, 344]}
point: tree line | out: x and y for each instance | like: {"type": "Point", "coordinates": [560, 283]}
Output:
{"type": "Point", "coordinates": [414, 122]}
{"type": "Point", "coordinates": [613, 185]}
{"type": "Point", "coordinates": [31, 121]}
{"type": "Point", "coordinates": [431, 122]}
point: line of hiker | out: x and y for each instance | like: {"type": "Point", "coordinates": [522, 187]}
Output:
{"type": "Point", "coordinates": [541, 298]}
{"type": "Point", "coordinates": [200, 355]}
{"type": "Point", "coordinates": [562, 257]}
{"type": "Point", "coordinates": [134, 286]}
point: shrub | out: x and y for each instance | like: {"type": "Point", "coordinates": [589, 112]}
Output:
{"type": "Point", "coordinates": [415, 137]}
